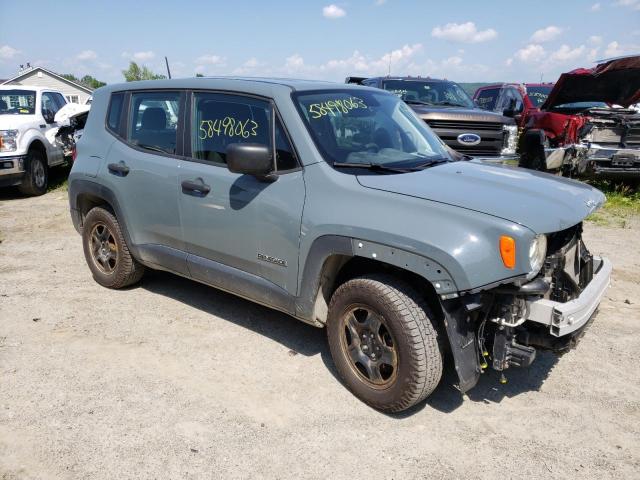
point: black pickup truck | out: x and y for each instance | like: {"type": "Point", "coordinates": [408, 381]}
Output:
{"type": "Point", "coordinates": [452, 115]}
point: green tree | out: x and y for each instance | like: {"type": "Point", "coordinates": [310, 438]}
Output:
{"type": "Point", "coordinates": [91, 82]}
{"type": "Point", "coordinates": [134, 73]}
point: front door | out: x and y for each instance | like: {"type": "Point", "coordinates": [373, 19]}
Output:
{"type": "Point", "coordinates": [239, 223]}
{"type": "Point", "coordinates": [51, 103]}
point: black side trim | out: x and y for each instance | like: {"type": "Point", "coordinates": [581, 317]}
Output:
{"type": "Point", "coordinates": [164, 258]}
{"type": "Point", "coordinates": [322, 248]}
{"type": "Point", "coordinates": [463, 343]}
{"type": "Point", "coordinates": [241, 283]}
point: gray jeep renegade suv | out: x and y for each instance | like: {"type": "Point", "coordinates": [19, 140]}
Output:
{"type": "Point", "coordinates": [337, 205]}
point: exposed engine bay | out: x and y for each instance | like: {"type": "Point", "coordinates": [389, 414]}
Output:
{"type": "Point", "coordinates": [71, 118]}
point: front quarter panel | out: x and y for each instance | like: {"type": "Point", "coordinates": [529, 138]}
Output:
{"type": "Point", "coordinates": [464, 243]}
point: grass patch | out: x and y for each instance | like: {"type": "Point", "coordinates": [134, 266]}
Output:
{"type": "Point", "coordinates": [623, 202]}
{"type": "Point", "coordinates": [59, 179]}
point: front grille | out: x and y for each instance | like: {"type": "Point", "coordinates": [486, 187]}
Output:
{"type": "Point", "coordinates": [613, 136]}
{"type": "Point", "coordinates": [465, 126]}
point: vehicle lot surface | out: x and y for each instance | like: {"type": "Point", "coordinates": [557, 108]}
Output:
{"type": "Point", "coordinates": [172, 379]}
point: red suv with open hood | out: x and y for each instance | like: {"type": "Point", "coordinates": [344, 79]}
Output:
{"type": "Point", "coordinates": [585, 126]}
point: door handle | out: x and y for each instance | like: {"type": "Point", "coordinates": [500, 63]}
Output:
{"type": "Point", "coordinates": [196, 188]}
{"type": "Point", "coordinates": [120, 169]}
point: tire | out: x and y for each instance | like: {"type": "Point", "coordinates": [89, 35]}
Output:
{"type": "Point", "coordinates": [391, 382]}
{"type": "Point", "coordinates": [106, 251]}
{"type": "Point", "coordinates": [36, 177]}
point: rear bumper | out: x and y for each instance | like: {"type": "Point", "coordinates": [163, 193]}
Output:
{"type": "Point", "coordinates": [565, 318]}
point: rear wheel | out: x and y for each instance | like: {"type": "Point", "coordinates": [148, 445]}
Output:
{"type": "Point", "coordinates": [36, 177]}
{"type": "Point", "coordinates": [106, 251]}
{"type": "Point", "coordinates": [383, 342]}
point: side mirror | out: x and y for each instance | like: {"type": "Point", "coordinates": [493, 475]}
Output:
{"type": "Point", "coordinates": [249, 159]}
{"type": "Point", "coordinates": [510, 111]}
{"type": "Point", "coordinates": [48, 115]}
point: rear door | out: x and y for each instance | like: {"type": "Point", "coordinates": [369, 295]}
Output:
{"type": "Point", "coordinates": [142, 170]}
{"type": "Point", "coordinates": [239, 221]}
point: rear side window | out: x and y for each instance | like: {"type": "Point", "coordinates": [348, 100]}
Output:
{"type": "Point", "coordinates": [153, 121]}
{"type": "Point", "coordinates": [488, 98]}
{"type": "Point", "coordinates": [219, 120]}
{"type": "Point", "coordinates": [115, 112]}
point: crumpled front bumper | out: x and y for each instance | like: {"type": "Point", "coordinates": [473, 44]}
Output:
{"type": "Point", "coordinates": [595, 159]}
{"type": "Point", "coordinates": [565, 318]}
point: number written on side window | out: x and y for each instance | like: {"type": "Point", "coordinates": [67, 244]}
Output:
{"type": "Point", "coordinates": [219, 120]}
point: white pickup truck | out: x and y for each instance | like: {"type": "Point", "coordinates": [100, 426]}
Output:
{"type": "Point", "coordinates": [28, 130]}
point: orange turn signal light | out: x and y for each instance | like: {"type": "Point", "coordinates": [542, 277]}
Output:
{"type": "Point", "coordinates": [508, 251]}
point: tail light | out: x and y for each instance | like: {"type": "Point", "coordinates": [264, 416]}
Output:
{"type": "Point", "coordinates": [74, 154]}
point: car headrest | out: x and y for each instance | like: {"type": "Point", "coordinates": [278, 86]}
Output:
{"type": "Point", "coordinates": [153, 118]}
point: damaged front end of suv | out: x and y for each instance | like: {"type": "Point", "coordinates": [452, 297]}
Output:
{"type": "Point", "coordinates": [550, 309]}
{"type": "Point", "coordinates": [586, 127]}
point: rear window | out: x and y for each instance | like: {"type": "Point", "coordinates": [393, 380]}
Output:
{"type": "Point", "coordinates": [538, 95]}
{"type": "Point", "coordinates": [487, 98]}
{"type": "Point", "coordinates": [153, 121]}
{"type": "Point", "coordinates": [115, 112]}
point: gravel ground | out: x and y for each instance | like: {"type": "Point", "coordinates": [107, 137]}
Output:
{"type": "Point", "coordinates": [172, 379]}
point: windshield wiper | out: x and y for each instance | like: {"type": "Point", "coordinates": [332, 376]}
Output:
{"type": "Point", "coordinates": [452, 104]}
{"type": "Point", "coordinates": [432, 163]}
{"type": "Point", "coordinates": [375, 166]}
{"type": "Point", "coordinates": [416, 102]}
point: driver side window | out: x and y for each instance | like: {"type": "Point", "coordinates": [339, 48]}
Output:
{"type": "Point", "coordinates": [49, 103]}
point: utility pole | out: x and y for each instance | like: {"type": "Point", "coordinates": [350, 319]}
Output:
{"type": "Point", "coordinates": [168, 71]}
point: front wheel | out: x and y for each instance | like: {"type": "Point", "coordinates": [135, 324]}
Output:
{"type": "Point", "coordinates": [384, 342]}
{"type": "Point", "coordinates": [36, 176]}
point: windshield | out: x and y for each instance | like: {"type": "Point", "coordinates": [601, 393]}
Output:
{"type": "Point", "coordinates": [538, 95]}
{"type": "Point", "coordinates": [431, 93]}
{"type": "Point", "coordinates": [367, 127]}
{"type": "Point", "coordinates": [17, 102]}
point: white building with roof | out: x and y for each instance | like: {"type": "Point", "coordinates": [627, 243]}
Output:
{"type": "Point", "coordinates": [41, 77]}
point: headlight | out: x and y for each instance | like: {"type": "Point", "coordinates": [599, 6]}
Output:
{"type": "Point", "coordinates": [510, 139]}
{"type": "Point", "coordinates": [537, 255]}
{"type": "Point", "coordinates": [8, 140]}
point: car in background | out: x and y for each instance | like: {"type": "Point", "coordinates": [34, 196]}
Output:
{"type": "Point", "coordinates": [28, 146]}
{"type": "Point", "coordinates": [585, 126]}
{"type": "Point", "coordinates": [515, 100]}
{"type": "Point", "coordinates": [452, 115]}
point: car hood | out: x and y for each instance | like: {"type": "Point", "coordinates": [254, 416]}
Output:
{"type": "Point", "coordinates": [538, 201]}
{"type": "Point", "coordinates": [14, 122]}
{"type": "Point", "coordinates": [615, 81]}
{"type": "Point", "coordinates": [459, 113]}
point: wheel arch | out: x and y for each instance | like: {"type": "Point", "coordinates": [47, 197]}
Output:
{"type": "Point", "coordinates": [332, 260]}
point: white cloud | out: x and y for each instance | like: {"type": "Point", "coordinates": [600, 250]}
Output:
{"type": "Point", "coordinates": [595, 7]}
{"type": "Point", "coordinates": [210, 60]}
{"type": "Point", "coordinates": [546, 34]}
{"type": "Point", "coordinates": [249, 66]}
{"type": "Point", "coordinates": [7, 52]}
{"type": "Point", "coordinates": [86, 55]}
{"type": "Point", "coordinates": [566, 54]}
{"type": "Point", "coordinates": [595, 39]}
{"type": "Point", "coordinates": [139, 56]}
{"type": "Point", "coordinates": [333, 11]}
{"type": "Point", "coordinates": [532, 53]}
{"type": "Point", "coordinates": [463, 32]}
{"type": "Point", "coordinates": [634, 4]}
{"type": "Point", "coordinates": [614, 49]}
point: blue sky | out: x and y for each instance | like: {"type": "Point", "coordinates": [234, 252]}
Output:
{"type": "Point", "coordinates": [461, 40]}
